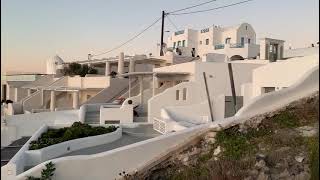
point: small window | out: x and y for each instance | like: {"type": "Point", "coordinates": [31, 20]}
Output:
{"type": "Point", "coordinates": [177, 95]}
{"type": "Point", "coordinates": [249, 41]}
{"type": "Point", "coordinates": [183, 43]}
{"type": "Point", "coordinates": [112, 122]}
{"type": "Point", "coordinates": [179, 43]}
{"type": "Point", "coordinates": [207, 41]}
{"type": "Point", "coordinates": [88, 96]}
{"type": "Point", "coordinates": [184, 97]}
{"type": "Point", "coordinates": [246, 27]}
{"type": "Point", "coordinates": [174, 44]}
{"type": "Point", "coordinates": [227, 41]}
{"type": "Point", "coordinates": [200, 42]}
{"type": "Point", "coordinates": [268, 89]}
{"type": "Point", "coordinates": [242, 41]}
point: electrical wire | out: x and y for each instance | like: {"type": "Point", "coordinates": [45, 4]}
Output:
{"type": "Point", "coordinates": [171, 22]}
{"type": "Point", "coordinates": [131, 39]}
{"type": "Point", "coordinates": [192, 6]}
{"type": "Point", "coordinates": [221, 7]}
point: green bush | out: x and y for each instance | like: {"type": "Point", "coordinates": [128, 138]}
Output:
{"type": "Point", "coordinates": [78, 69]}
{"type": "Point", "coordinates": [77, 130]}
{"type": "Point", "coordinates": [46, 174]}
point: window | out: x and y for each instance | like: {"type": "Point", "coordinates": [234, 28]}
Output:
{"type": "Point", "coordinates": [184, 97]}
{"type": "Point", "coordinates": [227, 40]}
{"type": "Point", "coordinates": [249, 41]}
{"type": "Point", "coordinates": [112, 122]}
{"type": "Point", "coordinates": [207, 41]}
{"type": "Point", "coordinates": [268, 89]}
{"type": "Point", "coordinates": [179, 43]}
{"type": "Point", "coordinates": [174, 44]}
{"type": "Point", "coordinates": [177, 95]}
{"type": "Point", "coordinates": [242, 41]}
{"type": "Point", "coordinates": [200, 42]}
{"type": "Point", "coordinates": [183, 43]}
{"type": "Point", "coordinates": [246, 27]}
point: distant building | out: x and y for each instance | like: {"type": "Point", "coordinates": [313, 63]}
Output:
{"type": "Point", "coordinates": [236, 42]}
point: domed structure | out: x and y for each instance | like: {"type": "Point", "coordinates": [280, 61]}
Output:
{"type": "Point", "coordinates": [53, 64]}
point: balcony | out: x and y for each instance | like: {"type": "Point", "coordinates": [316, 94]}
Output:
{"type": "Point", "coordinates": [219, 46]}
{"type": "Point", "coordinates": [238, 45]}
{"type": "Point", "coordinates": [179, 32]}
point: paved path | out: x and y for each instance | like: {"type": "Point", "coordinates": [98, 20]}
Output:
{"type": "Point", "coordinates": [8, 152]}
{"type": "Point", "coordinates": [129, 136]}
{"type": "Point", "coordinates": [123, 141]}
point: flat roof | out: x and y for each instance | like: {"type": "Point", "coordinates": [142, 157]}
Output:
{"type": "Point", "coordinates": [151, 60]}
{"type": "Point", "coordinates": [272, 39]}
{"type": "Point", "coordinates": [154, 73]}
{"type": "Point", "coordinates": [63, 88]}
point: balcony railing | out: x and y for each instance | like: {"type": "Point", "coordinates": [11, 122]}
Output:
{"type": "Point", "coordinates": [179, 32]}
{"type": "Point", "coordinates": [219, 46]}
{"type": "Point", "coordinates": [236, 45]}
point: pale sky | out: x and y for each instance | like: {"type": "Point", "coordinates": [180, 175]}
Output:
{"type": "Point", "coordinates": [33, 31]}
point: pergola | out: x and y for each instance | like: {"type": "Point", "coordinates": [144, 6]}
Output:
{"type": "Point", "coordinates": [53, 90]}
{"type": "Point", "coordinates": [121, 61]}
{"type": "Point", "coordinates": [168, 76]}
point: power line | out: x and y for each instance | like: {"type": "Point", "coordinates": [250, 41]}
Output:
{"type": "Point", "coordinates": [221, 7]}
{"type": "Point", "coordinates": [191, 6]}
{"type": "Point", "coordinates": [131, 39]}
{"type": "Point", "coordinates": [170, 21]}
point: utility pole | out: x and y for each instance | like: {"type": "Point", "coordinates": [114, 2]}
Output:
{"type": "Point", "coordinates": [162, 32]}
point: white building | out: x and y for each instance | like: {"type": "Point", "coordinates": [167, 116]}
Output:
{"type": "Point", "coordinates": [236, 42]}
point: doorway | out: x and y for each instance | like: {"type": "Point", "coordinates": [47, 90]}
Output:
{"type": "Point", "coordinates": [4, 90]}
{"type": "Point", "coordinates": [273, 52]}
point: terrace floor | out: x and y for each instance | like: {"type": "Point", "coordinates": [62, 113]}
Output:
{"type": "Point", "coordinates": [9, 151]}
{"type": "Point", "coordinates": [129, 136]}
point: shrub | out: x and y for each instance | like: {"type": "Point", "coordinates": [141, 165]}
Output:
{"type": "Point", "coordinates": [78, 69]}
{"type": "Point", "coordinates": [46, 173]}
{"type": "Point", "coordinates": [77, 130]}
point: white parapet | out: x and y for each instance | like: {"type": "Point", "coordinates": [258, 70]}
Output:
{"type": "Point", "coordinates": [114, 115]}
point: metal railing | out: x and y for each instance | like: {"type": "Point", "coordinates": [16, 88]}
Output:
{"type": "Point", "coordinates": [179, 32]}
{"type": "Point", "coordinates": [238, 45]}
{"type": "Point", "coordinates": [219, 46]}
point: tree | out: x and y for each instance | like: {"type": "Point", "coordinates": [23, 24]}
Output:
{"type": "Point", "coordinates": [113, 74]}
{"type": "Point", "coordinates": [75, 69]}
{"type": "Point", "coordinates": [78, 69]}
{"type": "Point", "coordinates": [92, 71]}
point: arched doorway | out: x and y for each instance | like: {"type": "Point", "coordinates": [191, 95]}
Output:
{"type": "Point", "coordinates": [236, 57]}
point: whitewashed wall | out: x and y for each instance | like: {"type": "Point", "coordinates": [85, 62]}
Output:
{"type": "Point", "coordinates": [124, 114]}
{"type": "Point", "coordinates": [282, 73]}
{"type": "Point", "coordinates": [35, 157]}
{"type": "Point", "coordinates": [108, 165]}
{"type": "Point", "coordinates": [27, 124]}
{"type": "Point", "coordinates": [304, 86]}
{"type": "Point", "coordinates": [16, 165]}
{"type": "Point", "coordinates": [168, 98]}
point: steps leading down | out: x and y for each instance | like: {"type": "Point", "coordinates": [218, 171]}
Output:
{"type": "Point", "coordinates": [106, 95]}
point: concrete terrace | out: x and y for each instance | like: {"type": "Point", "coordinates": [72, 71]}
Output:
{"type": "Point", "coordinates": [129, 136]}
{"type": "Point", "coordinates": [9, 151]}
